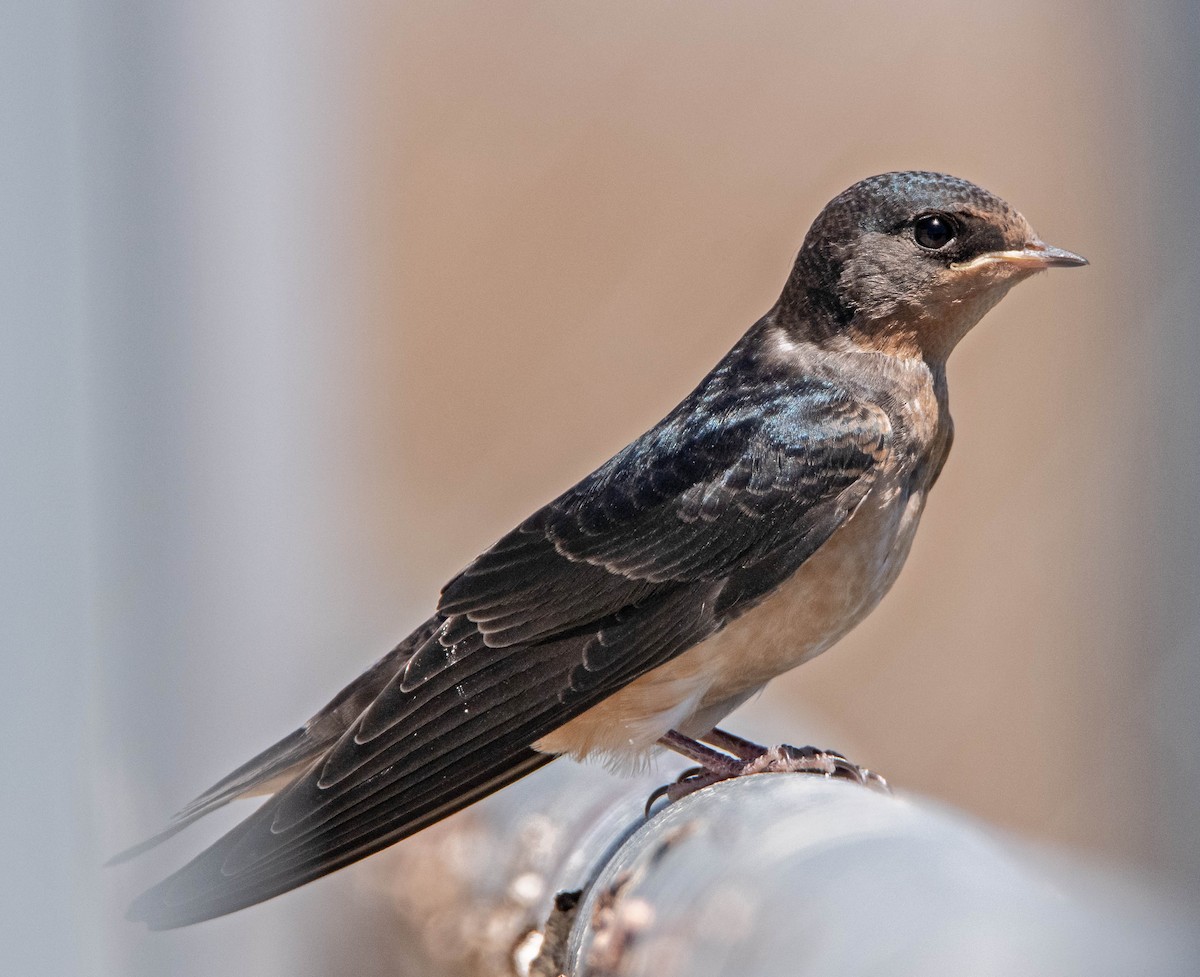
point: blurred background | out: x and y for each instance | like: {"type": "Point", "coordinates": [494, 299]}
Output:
{"type": "Point", "coordinates": [305, 303]}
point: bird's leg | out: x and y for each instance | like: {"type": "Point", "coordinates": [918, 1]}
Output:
{"type": "Point", "coordinates": [745, 749]}
{"type": "Point", "coordinates": [714, 766]}
{"type": "Point", "coordinates": [749, 757]}
{"type": "Point", "coordinates": [712, 761]}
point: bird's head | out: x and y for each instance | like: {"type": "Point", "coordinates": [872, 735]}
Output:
{"type": "Point", "coordinates": [908, 262]}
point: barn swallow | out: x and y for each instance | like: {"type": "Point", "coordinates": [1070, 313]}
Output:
{"type": "Point", "coordinates": [742, 535]}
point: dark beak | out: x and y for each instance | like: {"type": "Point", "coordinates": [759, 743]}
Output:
{"type": "Point", "coordinates": [1035, 256]}
{"type": "Point", "coordinates": [1049, 256]}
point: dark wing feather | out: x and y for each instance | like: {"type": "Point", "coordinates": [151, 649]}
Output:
{"type": "Point", "coordinates": [461, 737]}
{"type": "Point", "coordinates": [653, 552]}
{"type": "Point", "coordinates": [703, 493]}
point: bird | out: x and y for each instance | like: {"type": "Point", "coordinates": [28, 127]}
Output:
{"type": "Point", "coordinates": [741, 536]}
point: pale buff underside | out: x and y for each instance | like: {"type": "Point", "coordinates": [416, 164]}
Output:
{"type": "Point", "coordinates": [831, 592]}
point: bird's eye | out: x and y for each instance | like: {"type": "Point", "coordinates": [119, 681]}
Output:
{"type": "Point", "coordinates": [934, 231]}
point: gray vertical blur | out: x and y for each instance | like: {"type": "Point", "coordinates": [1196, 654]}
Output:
{"type": "Point", "coordinates": [174, 252]}
{"type": "Point", "coordinates": [304, 302]}
{"type": "Point", "coordinates": [1171, 627]}
{"type": "Point", "coordinates": [218, 250]}
{"type": "Point", "coordinates": [46, 925]}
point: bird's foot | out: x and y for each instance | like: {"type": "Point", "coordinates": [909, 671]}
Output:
{"type": "Point", "coordinates": [809, 759]}
{"type": "Point", "coordinates": [745, 757]}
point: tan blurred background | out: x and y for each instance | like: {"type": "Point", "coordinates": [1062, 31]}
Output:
{"type": "Point", "coordinates": [349, 289]}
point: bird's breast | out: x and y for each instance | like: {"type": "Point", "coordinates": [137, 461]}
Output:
{"type": "Point", "coordinates": [827, 596]}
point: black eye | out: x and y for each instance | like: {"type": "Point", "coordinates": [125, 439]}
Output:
{"type": "Point", "coordinates": [934, 231]}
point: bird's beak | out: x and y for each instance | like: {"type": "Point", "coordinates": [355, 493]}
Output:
{"type": "Point", "coordinates": [1035, 256]}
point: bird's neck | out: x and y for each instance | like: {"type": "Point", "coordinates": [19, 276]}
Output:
{"type": "Point", "coordinates": [927, 331]}
{"type": "Point", "coordinates": [897, 336]}
{"type": "Point", "coordinates": [845, 358]}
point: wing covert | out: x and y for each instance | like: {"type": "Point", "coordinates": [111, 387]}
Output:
{"type": "Point", "coordinates": [697, 497]}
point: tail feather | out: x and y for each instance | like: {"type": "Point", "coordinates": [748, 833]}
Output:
{"type": "Point", "coordinates": [285, 761]}
{"type": "Point", "coordinates": [273, 768]}
{"type": "Point", "coordinates": [201, 890]}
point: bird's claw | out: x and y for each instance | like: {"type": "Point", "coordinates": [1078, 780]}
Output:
{"type": "Point", "coordinates": [777, 759]}
{"type": "Point", "coordinates": [808, 759]}
{"type": "Point", "coordinates": [666, 789]}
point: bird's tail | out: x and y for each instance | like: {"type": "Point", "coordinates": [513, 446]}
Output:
{"type": "Point", "coordinates": [280, 764]}
{"type": "Point", "coordinates": [266, 773]}
{"type": "Point", "coordinates": [211, 884]}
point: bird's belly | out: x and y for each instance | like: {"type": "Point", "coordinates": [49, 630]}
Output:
{"type": "Point", "coordinates": [831, 592]}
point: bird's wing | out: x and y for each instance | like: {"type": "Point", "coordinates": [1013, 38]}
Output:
{"type": "Point", "coordinates": [644, 558]}
{"type": "Point", "coordinates": [704, 493]}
